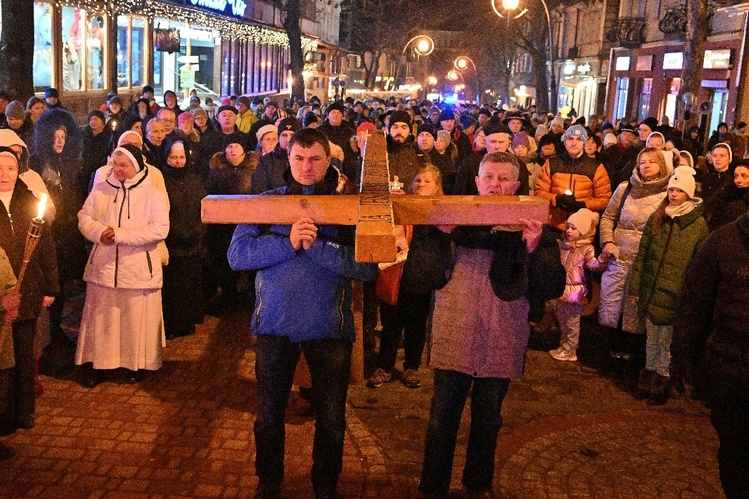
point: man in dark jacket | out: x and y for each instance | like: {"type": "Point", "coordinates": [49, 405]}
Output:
{"type": "Point", "coordinates": [213, 140]}
{"type": "Point", "coordinates": [710, 345]}
{"type": "Point", "coordinates": [340, 132]}
{"type": "Point", "coordinates": [303, 304]}
{"type": "Point", "coordinates": [402, 157]}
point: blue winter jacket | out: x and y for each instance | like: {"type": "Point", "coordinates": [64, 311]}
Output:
{"type": "Point", "coordinates": [301, 294]}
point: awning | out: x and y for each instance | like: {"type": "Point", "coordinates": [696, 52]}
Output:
{"type": "Point", "coordinates": [576, 81]}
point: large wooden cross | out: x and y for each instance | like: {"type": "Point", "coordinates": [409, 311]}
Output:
{"type": "Point", "coordinates": [374, 211]}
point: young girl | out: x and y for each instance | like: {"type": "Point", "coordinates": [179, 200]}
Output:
{"type": "Point", "coordinates": [577, 255]}
{"type": "Point", "coordinates": [671, 238]}
{"type": "Point", "coordinates": [406, 293]}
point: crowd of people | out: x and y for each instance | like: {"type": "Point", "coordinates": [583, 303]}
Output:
{"type": "Point", "coordinates": [634, 202]}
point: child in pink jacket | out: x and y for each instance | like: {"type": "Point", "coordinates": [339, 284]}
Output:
{"type": "Point", "coordinates": [577, 255]}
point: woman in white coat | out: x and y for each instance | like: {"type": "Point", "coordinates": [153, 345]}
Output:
{"type": "Point", "coordinates": [621, 229]}
{"type": "Point", "coordinates": [126, 216]}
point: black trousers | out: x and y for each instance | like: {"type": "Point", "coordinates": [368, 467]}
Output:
{"type": "Point", "coordinates": [24, 340]}
{"type": "Point", "coordinates": [410, 316]}
{"type": "Point", "coordinates": [730, 418]}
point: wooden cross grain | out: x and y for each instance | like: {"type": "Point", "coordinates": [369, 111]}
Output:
{"type": "Point", "coordinates": [375, 212]}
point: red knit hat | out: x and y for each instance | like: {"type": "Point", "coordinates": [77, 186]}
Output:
{"type": "Point", "coordinates": [366, 125]}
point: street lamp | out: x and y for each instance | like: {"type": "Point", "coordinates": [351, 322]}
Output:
{"type": "Point", "coordinates": [461, 64]}
{"type": "Point", "coordinates": [511, 5]}
{"type": "Point", "coordinates": [424, 46]}
{"type": "Point", "coordinates": [453, 75]}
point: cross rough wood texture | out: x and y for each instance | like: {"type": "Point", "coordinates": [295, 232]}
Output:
{"type": "Point", "coordinates": [374, 211]}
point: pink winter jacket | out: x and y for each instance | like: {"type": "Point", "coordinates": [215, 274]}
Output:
{"type": "Point", "coordinates": [576, 257]}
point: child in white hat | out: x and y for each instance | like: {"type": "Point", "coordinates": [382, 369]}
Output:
{"type": "Point", "coordinates": [578, 256]}
{"type": "Point", "coordinates": [672, 236]}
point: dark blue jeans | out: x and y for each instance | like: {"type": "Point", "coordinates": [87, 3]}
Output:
{"type": "Point", "coordinates": [450, 392]}
{"type": "Point", "coordinates": [329, 363]}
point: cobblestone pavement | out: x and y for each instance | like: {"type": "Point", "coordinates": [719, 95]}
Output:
{"type": "Point", "coordinates": [186, 431]}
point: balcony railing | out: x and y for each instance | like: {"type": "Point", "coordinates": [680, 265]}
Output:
{"type": "Point", "coordinates": [627, 32]}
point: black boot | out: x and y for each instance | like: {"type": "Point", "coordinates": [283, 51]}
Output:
{"type": "Point", "coordinates": [660, 390]}
{"type": "Point", "coordinates": [644, 384]}
{"type": "Point", "coordinates": [91, 376]}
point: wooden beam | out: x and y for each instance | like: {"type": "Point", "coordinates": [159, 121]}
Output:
{"type": "Point", "coordinates": [504, 211]}
{"type": "Point", "coordinates": [328, 210]}
{"type": "Point", "coordinates": [375, 237]}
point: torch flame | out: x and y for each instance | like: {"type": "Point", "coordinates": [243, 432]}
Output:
{"type": "Point", "coordinates": [41, 206]}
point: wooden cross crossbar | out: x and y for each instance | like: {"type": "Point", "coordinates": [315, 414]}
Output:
{"type": "Point", "coordinates": [374, 211]}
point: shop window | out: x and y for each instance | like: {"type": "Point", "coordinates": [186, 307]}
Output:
{"type": "Point", "coordinates": [82, 52]}
{"type": "Point", "coordinates": [622, 91]}
{"type": "Point", "coordinates": [42, 72]}
{"type": "Point", "coordinates": [643, 106]}
{"type": "Point", "coordinates": [130, 51]}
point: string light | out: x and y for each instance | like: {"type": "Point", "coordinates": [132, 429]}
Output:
{"type": "Point", "coordinates": [238, 29]}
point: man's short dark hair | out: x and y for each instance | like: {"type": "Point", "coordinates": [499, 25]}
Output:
{"type": "Point", "coordinates": [147, 88]}
{"type": "Point", "coordinates": [308, 137]}
{"type": "Point", "coordinates": [502, 157]}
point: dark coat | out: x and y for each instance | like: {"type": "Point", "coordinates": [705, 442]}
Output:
{"type": "Point", "coordinates": [270, 170]}
{"type": "Point", "coordinates": [341, 136]}
{"type": "Point", "coordinates": [662, 260]}
{"type": "Point", "coordinates": [96, 149]}
{"type": "Point", "coordinates": [710, 335]}
{"type": "Point", "coordinates": [402, 160]}
{"type": "Point", "coordinates": [712, 181]}
{"type": "Point", "coordinates": [41, 274]}
{"type": "Point", "coordinates": [186, 230]}
{"type": "Point", "coordinates": [429, 255]}
{"type": "Point", "coordinates": [728, 205]}
{"type": "Point", "coordinates": [211, 143]}
{"type": "Point", "coordinates": [154, 154]}
{"type": "Point", "coordinates": [225, 178]}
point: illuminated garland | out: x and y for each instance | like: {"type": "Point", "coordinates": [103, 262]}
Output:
{"type": "Point", "coordinates": [227, 26]}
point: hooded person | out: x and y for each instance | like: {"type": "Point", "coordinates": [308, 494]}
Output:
{"type": "Point", "coordinates": [402, 158]}
{"type": "Point", "coordinates": [29, 177]}
{"type": "Point", "coordinates": [186, 241]}
{"type": "Point", "coordinates": [125, 217]}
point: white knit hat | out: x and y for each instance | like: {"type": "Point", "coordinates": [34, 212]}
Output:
{"type": "Point", "coordinates": [583, 220]}
{"type": "Point", "coordinates": [683, 178]}
{"type": "Point", "coordinates": [266, 129]}
{"type": "Point", "coordinates": [609, 139]}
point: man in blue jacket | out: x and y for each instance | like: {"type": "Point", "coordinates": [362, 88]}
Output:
{"type": "Point", "coordinates": [303, 304]}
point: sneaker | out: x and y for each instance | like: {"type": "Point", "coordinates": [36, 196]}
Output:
{"type": "Point", "coordinates": [556, 351]}
{"type": "Point", "coordinates": [379, 377]}
{"type": "Point", "coordinates": [411, 378]}
{"type": "Point", "coordinates": [564, 355]}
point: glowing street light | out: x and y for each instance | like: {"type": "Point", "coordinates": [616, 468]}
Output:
{"type": "Point", "coordinates": [453, 75]}
{"type": "Point", "coordinates": [461, 64]}
{"type": "Point", "coordinates": [512, 5]}
{"type": "Point", "coordinates": [424, 46]}
{"type": "Point", "coordinates": [432, 80]}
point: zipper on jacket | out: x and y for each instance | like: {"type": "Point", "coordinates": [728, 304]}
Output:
{"type": "Point", "coordinates": [150, 265]}
{"type": "Point", "coordinates": [660, 264]}
{"type": "Point", "coordinates": [259, 304]}
{"type": "Point", "coordinates": [340, 309]}
{"type": "Point", "coordinates": [116, 263]}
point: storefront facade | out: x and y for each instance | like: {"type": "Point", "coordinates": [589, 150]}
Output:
{"type": "Point", "coordinates": [86, 48]}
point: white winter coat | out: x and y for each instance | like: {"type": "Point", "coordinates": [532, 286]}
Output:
{"type": "Point", "coordinates": [642, 201]}
{"type": "Point", "coordinates": [138, 211]}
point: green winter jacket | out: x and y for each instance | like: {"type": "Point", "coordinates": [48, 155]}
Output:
{"type": "Point", "coordinates": [661, 263]}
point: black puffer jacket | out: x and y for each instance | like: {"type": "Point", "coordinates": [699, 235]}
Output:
{"type": "Point", "coordinates": [428, 260]}
{"type": "Point", "coordinates": [711, 339]}
{"type": "Point", "coordinates": [341, 136]}
{"type": "Point", "coordinates": [402, 161]}
{"type": "Point", "coordinates": [270, 170]}
{"type": "Point", "coordinates": [728, 205]}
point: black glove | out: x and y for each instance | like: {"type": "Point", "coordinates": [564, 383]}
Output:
{"type": "Point", "coordinates": [566, 202]}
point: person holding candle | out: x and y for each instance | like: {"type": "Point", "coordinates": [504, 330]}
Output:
{"type": "Point", "coordinates": [126, 216]}
{"type": "Point", "coordinates": [573, 180]}
{"type": "Point", "coordinates": [18, 208]}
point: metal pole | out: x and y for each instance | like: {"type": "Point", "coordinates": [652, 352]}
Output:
{"type": "Point", "coordinates": [552, 78]}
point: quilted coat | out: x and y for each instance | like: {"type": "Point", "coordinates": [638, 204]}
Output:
{"type": "Point", "coordinates": [577, 256]}
{"type": "Point", "coordinates": [658, 272]}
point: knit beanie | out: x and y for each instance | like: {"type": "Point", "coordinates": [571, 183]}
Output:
{"type": "Point", "coordinates": [15, 110]}
{"type": "Point", "coordinates": [650, 122]}
{"type": "Point", "coordinates": [720, 144]}
{"type": "Point", "coordinates": [521, 139]}
{"type": "Point", "coordinates": [575, 131]}
{"type": "Point", "coordinates": [366, 126]}
{"type": "Point", "coordinates": [184, 118]}
{"type": "Point", "coordinates": [428, 128]}
{"type": "Point", "coordinates": [238, 138]}
{"type": "Point", "coordinates": [135, 155]}
{"type": "Point", "coordinates": [287, 124]}
{"type": "Point", "coordinates": [335, 106]}
{"type": "Point", "coordinates": [445, 136]}
{"type": "Point", "coordinates": [98, 114]}
{"type": "Point", "coordinates": [683, 178]}
{"type": "Point", "coordinates": [400, 116]}
{"type": "Point", "coordinates": [610, 139]}
{"type": "Point", "coordinates": [226, 107]}
{"type": "Point", "coordinates": [262, 131]}
{"type": "Point", "coordinates": [447, 114]}
{"type": "Point", "coordinates": [51, 92]}
{"type": "Point", "coordinates": [584, 220]}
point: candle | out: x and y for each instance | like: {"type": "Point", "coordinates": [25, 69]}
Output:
{"type": "Point", "coordinates": [41, 207]}
{"type": "Point", "coordinates": [568, 192]}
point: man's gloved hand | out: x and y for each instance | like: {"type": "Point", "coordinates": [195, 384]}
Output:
{"type": "Point", "coordinates": [567, 202]}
